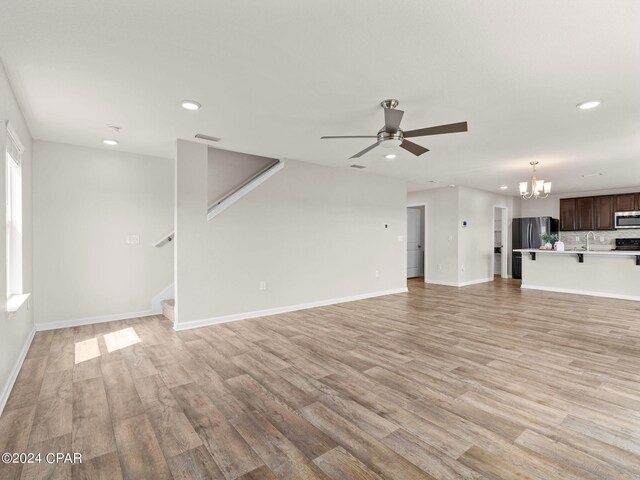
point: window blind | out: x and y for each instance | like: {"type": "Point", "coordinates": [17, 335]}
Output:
{"type": "Point", "coordinates": [14, 147]}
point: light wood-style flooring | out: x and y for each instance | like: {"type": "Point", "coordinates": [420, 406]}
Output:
{"type": "Point", "coordinates": [486, 381]}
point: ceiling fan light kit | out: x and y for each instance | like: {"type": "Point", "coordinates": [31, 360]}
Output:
{"type": "Point", "coordinates": [539, 188]}
{"type": "Point", "coordinates": [391, 135]}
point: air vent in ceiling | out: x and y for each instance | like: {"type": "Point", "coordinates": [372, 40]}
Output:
{"type": "Point", "coordinates": [357, 166]}
{"type": "Point", "coordinates": [207, 137]}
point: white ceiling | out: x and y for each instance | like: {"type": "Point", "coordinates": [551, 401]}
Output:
{"type": "Point", "coordinates": [274, 76]}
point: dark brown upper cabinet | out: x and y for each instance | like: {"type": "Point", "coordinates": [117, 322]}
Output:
{"type": "Point", "coordinates": [595, 213]}
{"type": "Point", "coordinates": [603, 209]}
{"type": "Point", "coordinates": [627, 202]}
{"type": "Point", "coordinates": [584, 213]}
{"type": "Point", "coordinates": [567, 214]}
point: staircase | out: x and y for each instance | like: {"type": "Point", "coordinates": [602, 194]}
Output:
{"type": "Point", "coordinates": [229, 198]}
{"type": "Point", "coordinates": [168, 307]}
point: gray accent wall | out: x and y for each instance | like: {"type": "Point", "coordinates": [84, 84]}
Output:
{"type": "Point", "coordinates": [228, 170]}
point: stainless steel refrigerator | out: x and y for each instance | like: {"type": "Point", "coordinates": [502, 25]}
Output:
{"type": "Point", "coordinates": [525, 233]}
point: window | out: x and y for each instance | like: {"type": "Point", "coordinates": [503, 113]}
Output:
{"type": "Point", "coordinates": [13, 179]}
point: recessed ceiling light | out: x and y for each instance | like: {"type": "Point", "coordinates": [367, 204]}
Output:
{"type": "Point", "coordinates": [190, 105]}
{"type": "Point", "coordinates": [504, 187]}
{"type": "Point", "coordinates": [588, 105]}
{"type": "Point", "coordinates": [452, 185]}
{"type": "Point", "coordinates": [110, 142]}
{"type": "Point", "coordinates": [391, 156]}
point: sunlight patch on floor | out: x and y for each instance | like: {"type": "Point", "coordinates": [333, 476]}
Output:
{"type": "Point", "coordinates": [86, 350]}
{"type": "Point", "coordinates": [121, 339]}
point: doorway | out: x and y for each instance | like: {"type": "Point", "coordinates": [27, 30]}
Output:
{"type": "Point", "coordinates": [415, 241]}
{"type": "Point", "coordinates": [500, 238]}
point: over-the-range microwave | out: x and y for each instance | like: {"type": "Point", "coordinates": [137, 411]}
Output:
{"type": "Point", "coordinates": [627, 219]}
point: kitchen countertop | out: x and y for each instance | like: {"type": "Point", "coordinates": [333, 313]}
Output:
{"type": "Point", "coordinates": [631, 253]}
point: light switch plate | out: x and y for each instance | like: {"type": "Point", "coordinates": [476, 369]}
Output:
{"type": "Point", "coordinates": [132, 239]}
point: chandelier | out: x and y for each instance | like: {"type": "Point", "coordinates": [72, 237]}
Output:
{"type": "Point", "coordinates": [537, 189]}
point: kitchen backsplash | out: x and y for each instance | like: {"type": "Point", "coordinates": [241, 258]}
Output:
{"type": "Point", "coordinates": [608, 237]}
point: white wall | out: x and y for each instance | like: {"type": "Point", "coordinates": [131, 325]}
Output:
{"type": "Point", "coordinates": [16, 329]}
{"type": "Point", "coordinates": [312, 233]}
{"type": "Point", "coordinates": [476, 241]}
{"type": "Point", "coordinates": [86, 201]}
{"type": "Point", "coordinates": [450, 247]}
{"type": "Point", "coordinates": [441, 246]}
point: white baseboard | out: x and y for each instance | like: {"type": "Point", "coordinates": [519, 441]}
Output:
{"type": "Point", "coordinates": [582, 292]}
{"type": "Point", "coordinates": [6, 389]}
{"type": "Point", "coordinates": [458, 284]}
{"type": "Point", "coordinates": [156, 309]}
{"type": "Point", "coordinates": [474, 282]}
{"type": "Point", "coordinates": [274, 311]}
{"type": "Point", "coordinates": [40, 327]}
{"type": "Point", "coordinates": [442, 282]}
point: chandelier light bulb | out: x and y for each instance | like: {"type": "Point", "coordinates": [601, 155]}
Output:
{"type": "Point", "coordinates": [539, 188]}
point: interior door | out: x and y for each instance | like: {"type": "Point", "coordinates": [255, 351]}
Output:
{"type": "Point", "coordinates": [415, 250]}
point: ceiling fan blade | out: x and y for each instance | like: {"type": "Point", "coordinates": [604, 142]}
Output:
{"type": "Point", "coordinates": [439, 130]}
{"type": "Point", "coordinates": [392, 119]}
{"type": "Point", "coordinates": [352, 136]}
{"type": "Point", "coordinates": [414, 148]}
{"type": "Point", "coordinates": [359, 154]}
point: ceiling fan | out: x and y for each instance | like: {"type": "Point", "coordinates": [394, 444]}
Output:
{"type": "Point", "coordinates": [392, 136]}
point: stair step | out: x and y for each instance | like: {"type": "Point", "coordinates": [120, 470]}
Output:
{"type": "Point", "coordinates": [168, 307]}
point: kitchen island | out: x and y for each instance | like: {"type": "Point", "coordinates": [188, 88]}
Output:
{"type": "Point", "coordinates": [614, 274]}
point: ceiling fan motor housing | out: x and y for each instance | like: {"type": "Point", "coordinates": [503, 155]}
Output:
{"type": "Point", "coordinates": [390, 140]}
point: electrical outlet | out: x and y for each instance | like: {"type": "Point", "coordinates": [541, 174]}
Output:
{"type": "Point", "coordinates": [439, 266]}
{"type": "Point", "coordinates": [601, 238]}
{"type": "Point", "coordinates": [577, 238]}
{"type": "Point", "coordinates": [377, 274]}
{"type": "Point", "coordinates": [263, 284]}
